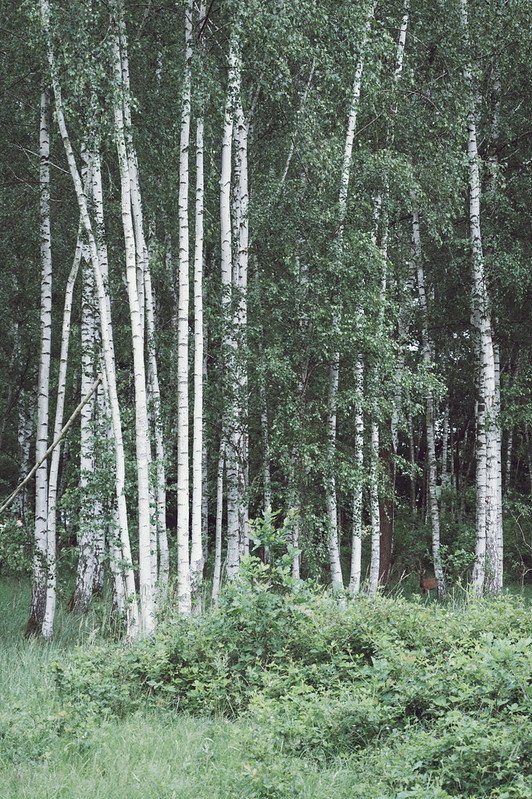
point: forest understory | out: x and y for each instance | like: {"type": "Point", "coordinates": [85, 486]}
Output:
{"type": "Point", "coordinates": [386, 699]}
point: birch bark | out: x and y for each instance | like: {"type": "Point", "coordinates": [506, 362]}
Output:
{"type": "Point", "coordinates": [488, 516]}
{"type": "Point", "coordinates": [196, 553]}
{"type": "Point", "coordinates": [107, 339]}
{"type": "Point", "coordinates": [40, 552]}
{"type": "Point", "coordinates": [49, 616]}
{"type": "Point", "coordinates": [334, 547]}
{"type": "Point", "coordinates": [217, 574]}
{"type": "Point", "coordinates": [142, 444]}
{"type": "Point", "coordinates": [184, 599]}
{"type": "Point", "coordinates": [230, 432]}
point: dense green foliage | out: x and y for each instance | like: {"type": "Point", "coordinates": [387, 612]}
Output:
{"type": "Point", "coordinates": [410, 141]}
{"type": "Point", "coordinates": [411, 698]}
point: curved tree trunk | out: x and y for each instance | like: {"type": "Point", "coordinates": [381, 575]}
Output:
{"type": "Point", "coordinates": [107, 341]}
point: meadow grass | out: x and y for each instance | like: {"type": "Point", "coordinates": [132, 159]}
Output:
{"type": "Point", "coordinates": [151, 753]}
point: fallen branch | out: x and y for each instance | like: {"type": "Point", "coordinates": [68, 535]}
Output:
{"type": "Point", "coordinates": [53, 445]}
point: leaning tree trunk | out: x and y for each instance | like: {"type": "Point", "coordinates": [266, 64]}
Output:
{"type": "Point", "coordinates": [38, 593]}
{"type": "Point", "coordinates": [107, 340]}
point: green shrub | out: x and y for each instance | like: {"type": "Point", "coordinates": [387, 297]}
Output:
{"type": "Point", "coordinates": [421, 700]}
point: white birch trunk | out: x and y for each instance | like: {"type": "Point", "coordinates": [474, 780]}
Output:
{"type": "Point", "coordinates": [142, 444]}
{"type": "Point", "coordinates": [205, 459]}
{"type": "Point", "coordinates": [105, 422]}
{"type": "Point", "coordinates": [107, 339]}
{"type": "Point", "coordinates": [356, 543]}
{"type": "Point", "coordinates": [241, 279]}
{"type": "Point", "coordinates": [196, 552]}
{"type": "Point", "coordinates": [161, 544]}
{"type": "Point", "coordinates": [49, 616]}
{"type": "Point", "coordinates": [86, 557]}
{"type": "Point", "coordinates": [488, 516]}
{"type": "Point", "coordinates": [217, 573]}
{"type": "Point", "coordinates": [184, 599]}
{"type": "Point", "coordinates": [374, 509]}
{"type": "Point", "coordinates": [332, 508]}
{"type": "Point", "coordinates": [334, 555]}
{"type": "Point", "coordinates": [374, 568]}
{"type": "Point", "coordinates": [40, 552]}
{"type": "Point", "coordinates": [229, 433]}
{"type": "Point", "coordinates": [508, 459]}
{"type": "Point", "coordinates": [145, 306]}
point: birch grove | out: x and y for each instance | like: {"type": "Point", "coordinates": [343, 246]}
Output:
{"type": "Point", "coordinates": [297, 267]}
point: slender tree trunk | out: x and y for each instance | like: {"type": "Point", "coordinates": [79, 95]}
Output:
{"type": "Point", "coordinates": [334, 367]}
{"type": "Point", "coordinates": [107, 339]}
{"type": "Point", "coordinates": [184, 599]}
{"type": "Point", "coordinates": [147, 323]}
{"type": "Point", "coordinates": [142, 444]}
{"type": "Point", "coordinates": [413, 480]}
{"type": "Point", "coordinates": [508, 459]}
{"type": "Point", "coordinates": [356, 544]}
{"type": "Point", "coordinates": [230, 432]}
{"type": "Point", "coordinates": [217, 574]}
{"type": "Point", "coordinates": [204, 457]}
{"type": "Point", "coordinates": [86, 558]}
{"type": "Point", "coordinates": [26, 409]}
{"type": "Point", "coordinates": [427, 348]}
{"type": "Point", "coordinates": [332, 509]}
{"type": "Point", "coordinates": [196, 553]}
{"type": "Point", "coordinates": [488, 516]}
{"type": "Point", "coordinates": [40, 552]}
{"type": "Point", "coordinates": [49, 616]}
{"type": "Point", "coordinates": [374, 510]}
{"type": "Point", "coordinates": [240, 279]}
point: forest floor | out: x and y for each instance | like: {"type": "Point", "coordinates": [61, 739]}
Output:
{"type": "Point", "coordinates": [150, 754]}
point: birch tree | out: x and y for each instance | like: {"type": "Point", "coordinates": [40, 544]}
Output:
{"type": "Point", "coordinates": [487, 572]}
{"type": "Point", "coordinates": [107, 339]}
{"type": "Point", "coordinates": [230, 433]}
{"type": "Point", "coordinates": [184, 600]}
{"type": "Point", "coordinates": [51, 578]}
{"type": "Point", "coordinates": [196, 552]}
{"type": "Point", "coordinates": [40, 553]}
{"type": "Point", "coordinates": [142, 444]}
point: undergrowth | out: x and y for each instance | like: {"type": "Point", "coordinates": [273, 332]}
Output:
{"type": "Point", "coordinates": [282, 693]}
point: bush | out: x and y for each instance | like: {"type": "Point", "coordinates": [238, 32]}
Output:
{"type": "Point", "coordinates": [417, 697]}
